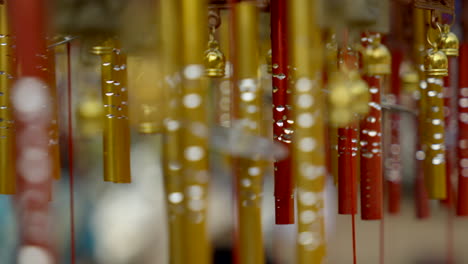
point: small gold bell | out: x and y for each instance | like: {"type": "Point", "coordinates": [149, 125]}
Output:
{"type": "Point", "coordinates": [436, 63]}
{"type": "Point", "coordinates": [449, 42]}
{"type": "Point", "coordinates": [149, 122]}
{"type": "Point", "coordinates": [90, 115]}
{"type": "Point", "coordinates": [410, 81]}
{"type": "Point", "coordinates": [360, 95]}
{"type": "Point", "coordinates": [339, 99]}
{"type": "Point", "coordinates": [215, 62]}
{"type": "Point", "coordinates": [376, 57]}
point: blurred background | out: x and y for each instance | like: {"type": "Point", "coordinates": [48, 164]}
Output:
{"type": "Point", "coordinates": [127, 223]}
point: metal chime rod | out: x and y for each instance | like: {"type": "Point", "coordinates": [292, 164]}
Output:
{"type": "Point", "coordinates": [308, 146]}
{"type": "Point", "coordinates": [421, 194]}
{"type": "Point", "coordinates": [447, 92]}
{"type": "Point", "coordinates": [172, 143]}
{"type": "Point", "coordinates": [371, 131]}
{"type": "Point", "coordinates": [32, 103]}
{"type": "Point", "coordinates": [110, 102]}
{"type": "Point", "coordinates": [282, 125]}
{"type": "Point", "coordinates": [250, 172]}
{"type": "Point", "coordinates": [195, 126]}
{"type": "Point", "coordinates": [7, 136]}
{"type": "Point", "coordinates": [54, 125]}
{"type": "Point", "coordinates": [121, 87]}
{"type": "Point", "coordinates": [462, 139]}
{"type": "Point", "coordinates": [393, 169]}
{"type": "Point", "coordinates": [114, 90]}
{"type": "Point", "coordinates": [348, 148]}
{"type": "Point", "coordinates": [435, 68]}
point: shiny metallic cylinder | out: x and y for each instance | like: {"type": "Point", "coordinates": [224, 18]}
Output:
{"type": "Point", "coordinates": [309, 139]}
{"type": "Point", "coordinates": [282, 129]}
{"type": "Point", "coordinates": [250, 170]}
{"type": "Point", "coordinates": [421, 195]}
{"type": "Point", "coordinates": [7, 136]}
{"type": "Point", "coordinates": [195, 131]}
{"type": "Point", "coordinates": [110, 104]}
{"type": "Point", "coordinates": [434, 161]}
{"type": "Point", "coordinates": [121, 88]}
{"type": "Point", "coordinates": [54, 126]}
{"type": "Point", "coordinates": [435, 69]}
{"type": "Point", "coordinates": [170, 27]}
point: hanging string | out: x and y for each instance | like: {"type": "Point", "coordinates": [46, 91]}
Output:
{"type": "Point", "coordinates": [382, 240]}
{"type": "Point", "coordinates": [70, 156]}
{"type": "Point", "coordinates": [353, 223]}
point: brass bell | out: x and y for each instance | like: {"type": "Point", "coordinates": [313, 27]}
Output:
{"type": "Point", "coordinates": [376, 57]}
{"type": "Point", "coordinates": [360, 95]}
{"type": "Point", "coordinates": [339, 99]}
{"type": "Point", "coordinates": [448, 42]}
{"type": "Point", "coordinates": [410, 81]}
{"type": "Point", "coordinates": [215, 62]}
{"type": "Point", "coordinates": [269, 61]}
{"type": "Point", "coordinates": [90, 114]}
{"type": "Point", "coordinates": [436, 63]}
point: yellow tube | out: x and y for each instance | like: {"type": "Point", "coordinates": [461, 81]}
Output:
{"type": "Point", "coordinates": [195, 131]}
{"type": "Point", "coordinates": [110, 103]}
{"type": "Point", "coordinates": [170, 27]}
{"type": "Point", "coordinates": [54, 126]}
{"type": "Point", "coordinates": [308, 145]}
{"type": "Point", "coordinates": [123, 132]}
{"type": "Point", "coordinates": [250, 171]}
{"type": "Point", "coordinates": [7, 137]}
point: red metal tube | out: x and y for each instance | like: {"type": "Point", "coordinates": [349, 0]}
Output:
{"type": "Point", "coordinates": [462, 140]}
{"type": "Point", "coordinates": [284, 183]}
{"type": "Point", "coordinates": [347, 150]}
{"type": "Point", "coordinates": [32, 110]}
{"type": "Point", "coordinates": [449, 148]}
{"type": "Point", "coordinates": [393, 164]}
{"type": "Point", "coordinates": [347, 164]}
{"type": "Point", "coordinates": [371, 154]}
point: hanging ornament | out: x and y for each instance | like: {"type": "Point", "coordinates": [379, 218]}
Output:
{"type": "Point", "coordinates": [449, 45]}
{"type": "Point", "coordinates": [7, 131]}
{"type": "Point", "coordinates": [215, 61]}
{"type": "Point", "coordinates": [115, 136]}
{"type": "Point", "coordinates": [435, 67]}
{"type": "Point", "coordinates": [376, 64]}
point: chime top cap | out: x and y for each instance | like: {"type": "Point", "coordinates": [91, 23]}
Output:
{"type": "Point", "coordinates": [376, 57]}
{"type": "Point", "coordinates": [410, 81]}
{"type": "Point", "coordinates": [436, 64]}
{"type": "Point", "coordinates": [449, 42]}
{"type": "Point", "coordinates": [215, 62]}
{"type": "Point", "coordinates": [100, 50]}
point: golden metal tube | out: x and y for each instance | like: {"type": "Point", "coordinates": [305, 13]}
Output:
{"type": "Point", "coordinates": [308, 145]}
{"type": "Point", "coordinates": [170, 28]}
{"type": "Point", "coordinates": [110, 103]}
{"type": "Point", "coordinates": [172, 143]}
{"type": "Point", "coordinates": [7, 136]}
{"type": "Point", "coordinates": [250, 171]}
{"type": "Point", "coordinates": [121, 87]}
{"type": "Point", "coordinates": [54, 126]}
{"type": "Point", "coordinates": [195, 131]}
{"type": "Point", "coordinates": [434, 162]}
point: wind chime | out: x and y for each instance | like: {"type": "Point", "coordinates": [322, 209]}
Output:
{"type": "Point", "coordinates": [329, 94]}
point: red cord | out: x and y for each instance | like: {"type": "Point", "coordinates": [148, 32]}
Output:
{"type": "Point", "coordinates": [70, 156]}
